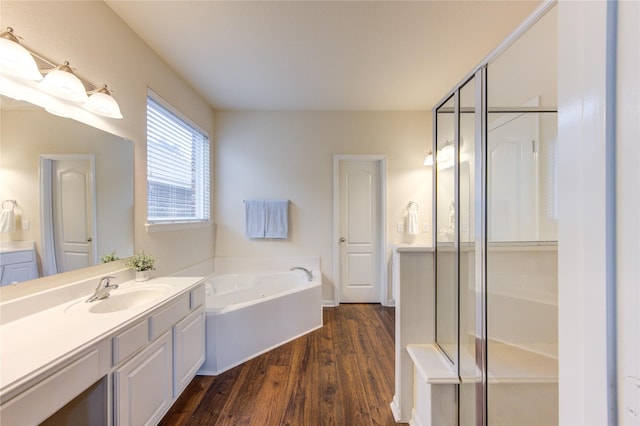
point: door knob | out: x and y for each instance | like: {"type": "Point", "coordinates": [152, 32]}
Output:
{"type": "Point", "coordinates": [342, 240]}
{"type": "Point", "coordinates": [89, 239]}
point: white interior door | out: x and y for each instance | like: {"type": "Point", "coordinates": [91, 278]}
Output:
{"type": "Point", "coordinates": [359, 229]}
{"type": "Point", "coordinates": [73, 200]}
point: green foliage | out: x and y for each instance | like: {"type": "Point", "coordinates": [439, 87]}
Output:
{"type": "Point", "coordinates": [141, 262]}
{"type": "Point", "coordinates": [111, 257]}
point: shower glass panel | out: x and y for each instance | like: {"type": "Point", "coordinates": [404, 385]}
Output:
{"type": "Point", "coordinates": [521, 257]}
{"type": "Point", "coordinates": [522, 270]}
{"type": "Point", "coordinates": [525, 74]}
{"type": "Point", "coordinates": [446, 253]}
{"type": "Point", "coordinates": [496, 232]}
{"type": "Point", "coordinates": [470, 338]}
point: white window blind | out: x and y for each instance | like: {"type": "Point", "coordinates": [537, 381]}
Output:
{"type": "Point", "coordinates": [177, 168]}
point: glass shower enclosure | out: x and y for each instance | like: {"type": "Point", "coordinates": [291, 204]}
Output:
{"type": "Point", "coordinates": [496, 231]}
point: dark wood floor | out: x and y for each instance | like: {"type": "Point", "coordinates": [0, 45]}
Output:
{"type": "Point", "coordinates": [341, 374]}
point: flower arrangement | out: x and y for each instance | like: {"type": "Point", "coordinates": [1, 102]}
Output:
{"type": "Point", "coordinates": [141, 262]}
{"type": "Point", "coordinates": [111, 257]}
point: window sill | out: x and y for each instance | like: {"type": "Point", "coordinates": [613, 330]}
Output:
{"type": "Point", "coordinates": [175, 226]}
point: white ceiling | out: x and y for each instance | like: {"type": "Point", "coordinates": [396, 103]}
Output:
{"type": "Point", "coordinates": [323, 55]}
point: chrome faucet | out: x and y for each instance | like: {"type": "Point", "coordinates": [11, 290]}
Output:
{"type": "Point", "coordinates": [103, 290]}
{"type": "Point", "coordinates": [308, 272]}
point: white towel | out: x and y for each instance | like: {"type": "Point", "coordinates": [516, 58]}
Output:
{"type": "Point", "coordinates": [7, 220]}
{"type": "Point", "coordinates": [412, 222]}
{"type": "Point", "coordinates": [277, 218]}
{"type": "Point", "coordinates": [254, 218]}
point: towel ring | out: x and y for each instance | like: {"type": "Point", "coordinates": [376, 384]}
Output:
{"type": "Point", "coordinates": [13, 203]}
{"type": "Point", "coordinates": [411, 204]}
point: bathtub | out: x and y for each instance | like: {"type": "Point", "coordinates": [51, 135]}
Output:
{"type": "Point", "coordinates": [248, 314]}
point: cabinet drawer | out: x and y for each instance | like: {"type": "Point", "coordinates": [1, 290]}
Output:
{"type": "Point", "coordinates": [130, 341]}
{"type": "Point", "coordinates": [166, 318]}
{"type": "Point", "coordinates": [197, 297]}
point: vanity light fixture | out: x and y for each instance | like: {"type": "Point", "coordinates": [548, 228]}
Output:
{"type": "Point", "coordinates": [428, 160]}
{"type": "Point", "coordinates": [446, 152]}
{"type": "Point", "coordinates": [444, 156]}
{"type": "Point", "coordinates": [63, 83]}
{"type": "Point", "coordinates": [101, 102]}
{"type": "Point", "coordinates": [68, 91]}
{"type": "Point", "coordinates": [15, 60]}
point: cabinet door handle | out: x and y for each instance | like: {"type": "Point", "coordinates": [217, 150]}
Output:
{"type": "Point", "coordinates": [89, 239]}
{"type": "Point", "coordinates": [342, 240]}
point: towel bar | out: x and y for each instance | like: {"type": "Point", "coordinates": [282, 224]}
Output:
{"type": "Point", "coordinates": [288, 201]}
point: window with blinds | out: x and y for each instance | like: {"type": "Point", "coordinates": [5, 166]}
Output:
{"type": "Point", "coordinates": [177, 168]}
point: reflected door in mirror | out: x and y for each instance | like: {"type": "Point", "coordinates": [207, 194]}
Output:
{"type": "Point", "coordinates": [73, 200]}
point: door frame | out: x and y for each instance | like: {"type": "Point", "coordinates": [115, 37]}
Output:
{"type": "Point", "coordinates": [46, 209]}
{"type": "Point", "coordinates": [381, 160]}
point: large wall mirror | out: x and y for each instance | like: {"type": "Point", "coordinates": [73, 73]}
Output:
{"type": "Point", "coordinates": [72, 185]}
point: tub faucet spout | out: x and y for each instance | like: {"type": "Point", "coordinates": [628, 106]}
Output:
{"type": "Point", "coordinates": [306, 271]}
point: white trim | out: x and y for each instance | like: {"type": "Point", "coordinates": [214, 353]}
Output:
{"type": "Point", "coordinates": [169, 106]}
{"type": "Point", "coordinates": [415, 418]}
{"type": "Point", "coordinates": [382, 163]}
{"type": "Point", "coordinates": [47, 254]}
{"type": "Point", "coordinates": [204, 215]}
{"type": "Point", "coordinates": [175, 226]}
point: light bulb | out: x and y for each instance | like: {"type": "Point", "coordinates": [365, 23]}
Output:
{"type": "Point", "coordinates": [101, 102]}
{"type": "Point", "coordinates": [15, 60]}
{"type": "Point", "coordinates": [63, 83]}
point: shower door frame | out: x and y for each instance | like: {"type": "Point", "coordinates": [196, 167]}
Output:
{"type": "Point", "coordinates": [479, 78]}
{"type": "Point", "coordinates": [480, 204]}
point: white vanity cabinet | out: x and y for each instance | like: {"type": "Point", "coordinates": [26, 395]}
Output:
{"type": "Point", "coordinates": [146, 385]}
{"type": "Point", "coordinates": [17, 262]}
{"type": "Point", "coordinates": [120, 368]}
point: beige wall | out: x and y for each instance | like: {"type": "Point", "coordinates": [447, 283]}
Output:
{"type": "Point", "coordinates": [104, 50]}
{"type": "Point", "coordinates": [290, 155]}
{"type": "Point", "coordinates": [261, 154]}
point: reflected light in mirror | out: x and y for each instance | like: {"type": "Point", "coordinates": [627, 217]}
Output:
{"type": "Point", "coordinates": [446, 153]}
{"type": "Point", "coordinates": [428, 160]}
{"type": "Point", "coordinates": [445, 156]}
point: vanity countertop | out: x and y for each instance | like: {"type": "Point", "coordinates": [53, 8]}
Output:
{"type": "Point", "coordinates": [413, 247]}
{"type": "Point", "coordinates": [31, 345]}
{"type": "Point", "coordinates": [12, 246]}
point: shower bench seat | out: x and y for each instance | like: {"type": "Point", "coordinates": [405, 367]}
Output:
{"type": "Point", "coordinates": [434, 380]}
{"type": "Point", "coordinates": [513, 371]}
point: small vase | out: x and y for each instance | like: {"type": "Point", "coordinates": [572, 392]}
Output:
{"type": "Point", "coordinates": [142, 275]}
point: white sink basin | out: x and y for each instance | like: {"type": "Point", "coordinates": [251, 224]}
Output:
{"type": "Point", "coordinates": [122, 299]}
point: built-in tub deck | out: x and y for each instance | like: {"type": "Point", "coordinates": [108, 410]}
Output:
{"type": "Point", "coordinates": [256, 304]}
